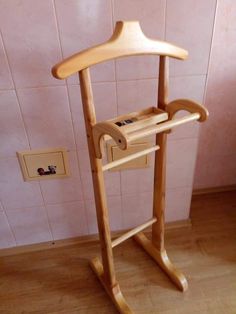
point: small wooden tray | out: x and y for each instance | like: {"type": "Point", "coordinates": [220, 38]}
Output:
{"type": "Point", "coordinates": [139, 119]}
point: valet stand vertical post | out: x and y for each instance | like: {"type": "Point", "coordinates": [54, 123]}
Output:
{"type": "Point", "coordinates": [129, 40]}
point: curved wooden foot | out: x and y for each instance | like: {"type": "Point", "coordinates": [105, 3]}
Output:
{"type": "Point", "coordinates": [114, 292]}
{"type": "Point", "coordinates": [163, 261]}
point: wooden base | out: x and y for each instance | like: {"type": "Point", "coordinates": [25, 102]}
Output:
{"type": "Point", "coordinates": [163, 261]}
{"type": "Point", "coordinates": [113, 292]}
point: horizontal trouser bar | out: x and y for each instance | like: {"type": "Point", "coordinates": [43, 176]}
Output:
{"type": "Point", "coordinates": [132, 232]}
{"type": "Point", "coordinates": [158, 128]}
{"type": "Point", "coordinates": [129, 158]}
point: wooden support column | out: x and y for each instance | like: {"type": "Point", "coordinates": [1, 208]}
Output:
{"type": "Point", "coordinates": [156, 247]}
{"type": "Point", "coordinates": [160, 161]}
{"type": "Point", "coordinates": [98, 180]}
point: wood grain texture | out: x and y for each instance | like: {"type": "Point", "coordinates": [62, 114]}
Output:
{"type": "Point", "coordinates": [127, 40]}
{"type": "Point", "coordinates": [98, 181]}
{"type": "Point", "coordinates": [187, 105]}
{"type": "Point", "coordinates": [60, 281]}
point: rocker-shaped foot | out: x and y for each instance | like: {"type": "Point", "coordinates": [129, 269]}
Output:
{"type": "Point", "coordinates": [163, 261]}
{"type": "Point", "coordinates": [114, 292]}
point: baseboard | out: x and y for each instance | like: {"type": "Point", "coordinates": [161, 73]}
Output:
{"type": "Point", "coordinates": [82, 240]}
{"type": "Point", "coordinates": [217, 189]}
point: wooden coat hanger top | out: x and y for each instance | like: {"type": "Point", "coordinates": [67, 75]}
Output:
{"type": "Point", "coordinates": [128, 39]}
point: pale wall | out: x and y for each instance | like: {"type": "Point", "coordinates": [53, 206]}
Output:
{"type": "Point", "coordinates": [38, 111]}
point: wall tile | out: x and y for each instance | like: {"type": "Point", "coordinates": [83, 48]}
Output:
{"type": "Point", "coordinates": [135, 181]}
{"type": "Point", "coordinates": [13, 137]}
{"type": "Point", "coordinates": [31, 41]}
{"type": "Point", "coordinates": [114, 211]}
{"type": "Point", "coordinates": [77, 116]}
{"type": "Point", "coordinates": [64, 190]}
{"type": "Point", "coordinates": [191, 87]}
{"type": "Point", "coordinates": [67, 220]}
{"type": "Point", "coordinates": [14, 192]}
{"type": "Point", "coordinates": [189, 24]}
{"type": "Point", "coordinates": [137, 208]}
{"type": "Point", "coordinates": [178, 203]}
{"type": "Point", "coordinates": [181, 156]}
{"type": "Point", "coordinates": [105, 106]}
{"type": "Point", "coordinates": [5, 75]}
{"type": "Point", "coordinates": [136, 95]}
{"type": "Point", "coordinates": [83, 24]}
{"type": "Point", "coordinates": [151, 15]}
{"type": "Point", "coordinates": [6, 236]}
{"type": "Point", "coordinates": [47, 117]}
{"type": "Point", "coordinates": [217, 146]}
{"type": "Point", "coordinates": [29, 225]}
{"type": "Point", "coordinates": [214, 170]}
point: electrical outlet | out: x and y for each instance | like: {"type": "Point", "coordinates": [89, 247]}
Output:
{"type": "Point", "coordinates": [44, 164]}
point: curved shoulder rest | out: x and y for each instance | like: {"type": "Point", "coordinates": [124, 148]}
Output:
{"type": "Point", "coordinates": [127, 40]}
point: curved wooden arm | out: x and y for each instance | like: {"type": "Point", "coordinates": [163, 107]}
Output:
{"type": "Point", "coordinates": [127, 40]}
{"type": "Point", "coordinates": [110, 129]}
{"type": "Point", "coordinates": [187, 105]}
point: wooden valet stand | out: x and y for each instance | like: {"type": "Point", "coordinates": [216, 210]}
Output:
{"type": "Point", "coordinates": [129, 40]}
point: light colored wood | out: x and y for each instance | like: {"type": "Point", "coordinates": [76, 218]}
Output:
{"type": "Point", "coordinates": [129, 158]}
{"type": "Point", "coordinates": [81, 240]}
{"type": "Point", "coordinates": [187, 105]}
{"type": "Point", "coordinates": [163, 82]}
{"type": "Point", "coordinates": [161, 258]}
{"type": "Point", "coordinates": [127, 40]}
{"type": "Point", "coordinates": [59, 280]}
{"type": "Point", "coordinates": [142, 118]}
{"type": "Point", "coordinates": [217, 189]}
{"type": "Point", "coordinates": [159, 189]}
{"type": "Point", "coordinates": [165, 126]}
{"type": "Point", "coordinates": [123, 138]}
{"type": "Point", "coordinates": [156, 247]}
{"type": "Point", "coordinates": [98, 180]}
{"type": "Point", "coordinates": [114, 293]}
{"type": "Point", "coordinates": [132, 232]}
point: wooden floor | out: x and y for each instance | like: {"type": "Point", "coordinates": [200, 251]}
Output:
{"type": "Point", "coordinates": [60, 280]}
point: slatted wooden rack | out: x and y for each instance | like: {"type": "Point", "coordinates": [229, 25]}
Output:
{"type": "Point", "coordinates": [129, 40]}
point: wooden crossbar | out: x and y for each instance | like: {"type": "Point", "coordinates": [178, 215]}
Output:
{"type": "Point", "coordinates": [162, 127]}
{"type": "Point", "coordinates": [129, 158]}
{"type": "Point", "coordinates": [132, 232]}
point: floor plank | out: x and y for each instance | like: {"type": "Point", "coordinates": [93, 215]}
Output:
{"type": "Point", "coordinates": [59, 281]}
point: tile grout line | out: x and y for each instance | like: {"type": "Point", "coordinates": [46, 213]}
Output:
{"type": "Point", "coordinates": [15, 89]}
{"type": "Point", "coordinates": [206, 84]}
{"type": "Point", "coordinates": [102, 82]}
{"type": "Point", "coordinates": [210, 52]}
{"type": "Point", "coordinates": [117, 107]}
{"type": "Point", "coordinates": [22, 120]}
{"type": "Point", "coordinates": [71, 116]}
{"type": "Point", "coordinates": [11, 229]}
{"type": "Point", "coordinates": [165, 16]}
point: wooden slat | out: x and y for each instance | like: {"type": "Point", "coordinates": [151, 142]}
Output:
{"type": "Point", "coordinates": [129, 158]}
{"type": "Point", "coordinates": [132, 232]}
{"type": "Point", "coordinates": [162, 127]}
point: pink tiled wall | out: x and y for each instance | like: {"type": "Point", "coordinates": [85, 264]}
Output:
{"type": "Point", "coordinates": [216, 165]}
{"type": "Point", "coordinates": [38, 111]}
